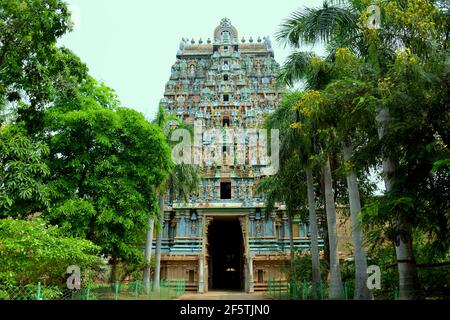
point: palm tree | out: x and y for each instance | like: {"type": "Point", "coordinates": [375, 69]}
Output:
{"type": "Point", "coordinates": [287, 185]}
{"type": "Point", "coordinates": [352, 123]}
{"type": "Point", "coordinates": [314, 229]}
{"type": "Point", "coordinates": [157, 275]}
{"type": "Point", "coordinates": [320, 74]}
{"type": "Point", "coordinates": [362, 292]}
{"type": "Point", "coordinates": [148, 254]}
{"type": "Point", "coordinates": [182, 181]}
{"type": "Point", "coordinates": [306, 65]}
{"type": "Point", "coordinates": [283, 187]}
{"type": "Point", "coordinates": [337, 23]}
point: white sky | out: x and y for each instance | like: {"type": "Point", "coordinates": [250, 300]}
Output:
{"type": "Point", "coordinates": [131, 44]}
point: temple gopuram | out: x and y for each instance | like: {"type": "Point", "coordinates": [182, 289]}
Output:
{"type": "Point", "coordinates": [223, 237]}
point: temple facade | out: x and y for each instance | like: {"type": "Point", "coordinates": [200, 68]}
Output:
{"type": "Point", "coordinates": [223, 237]}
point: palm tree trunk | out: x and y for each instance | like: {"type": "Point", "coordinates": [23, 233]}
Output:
{"type": "Point", "coordinates": [148, 254]}
{"type": "Point", "coordinates": [407, 271]}
{"type": "Point", "coordinates": [113, 275]}
{"type": "Point", "coordinates": [336, 290]}
{"type": "Point", "coordinates": [362, 292]}
{"type": "Point", "coordinates": [314, 233]}
{"type": "Point", "coordinates": [158, 246]}
{"type": "Point", "coordinates": [408, 278]}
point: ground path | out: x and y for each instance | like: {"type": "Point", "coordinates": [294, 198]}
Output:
{"type": "Point", "coordinates": [225, 295]}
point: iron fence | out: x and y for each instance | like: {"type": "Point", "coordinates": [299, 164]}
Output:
{"type": "Point", "coordinates": [135, 290]}
{"type": "Point", "coordinates": [294, 290]}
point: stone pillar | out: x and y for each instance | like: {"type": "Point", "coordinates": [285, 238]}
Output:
{"type": "Point", "coordinates": [285, 225]}
{"type": "Point", "coordinates": [173, 226]}
{"type": "Point", "coordinates": [166, 226]}
{"type": "Point", "coordinates": [203, 266]}
{"type": "Point", "coordinates": [274, 224]}
{"type": "Point", "coordinates": [201, 275]}
{"type": "Point", "coordinates": [251, 224]}
{"type": "Point", "coordinates": [246, 276]}
{"type": "Point", "coordinates": [181, 227]}
{"type": "Point", "coordinates": [187, 220]}
{"type": "Point", "coordinates": [233, 189]}
{"type": "Point", "coordinates": [251, 286]}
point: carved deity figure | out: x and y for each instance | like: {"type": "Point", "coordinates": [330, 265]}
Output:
{"type": "Point", "coordinates": [176, 69]}
{"type": "Point", "coordinates": [267, 65]}
{"type": "Point", "coordinates": [192, 71]}
{"type": "Point", "coordinates": [245, 94]}
{"type": "Point", "coordinates": [186, 84]}
{"type": "Point", "coordinates": [209, 192]}
{"type": "Point", "coordinates": [248, 64]}
{"type": "Point", "coordinates": [210, 76]}
{"type": "Point", "coordinates": [258, 228]}
{"type": "Point", "coordinates": [183, 68]}
{"type": "Point", "coordinates": [240, 77]}
{"type": "Point", "coordinates": [255, 85]}
{"type": "Point", "coordinates": [180, 101]}
{"type": "Point", "coordinates": [205, 94]}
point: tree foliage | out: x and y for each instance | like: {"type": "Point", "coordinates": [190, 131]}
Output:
{"type": "Point", "coordinates": [23, 170]}
{"type": "Point", "coordinates": [32, 251]}
{"type": "Point", "coordinates": [105, 162]}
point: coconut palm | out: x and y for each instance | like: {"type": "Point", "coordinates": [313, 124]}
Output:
{"type": "Point", "coordinates": [342, 24]}
{"type": "Point", "coordinates": [316, 72]}
{"type": "Point", "coordinates": [339, 24]}
{"type": "Point", "coordinates": [322, 74]}
{"type": "Point", "coordinates": [416, 25]}
{"type": "Point", "coordinates": [285, 185]}
{"type": "Point", "coordinates": [182, 182]}
{"type": "Point", "coordinates": [288, 185]}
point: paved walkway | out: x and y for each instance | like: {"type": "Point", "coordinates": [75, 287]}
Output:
{"type": "Point", "coordinates": [225, 295]}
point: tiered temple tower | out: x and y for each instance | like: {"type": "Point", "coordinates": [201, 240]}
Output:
{"type": "Point", "coordinates": [223, 237]}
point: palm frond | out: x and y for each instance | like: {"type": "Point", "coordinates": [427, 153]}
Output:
{"type": "Point", "coordinates": [296, 67]}
{"type": "Point", "coordinates": [312, 25]}
{"type": "Point", "coordinates": [184, 180]}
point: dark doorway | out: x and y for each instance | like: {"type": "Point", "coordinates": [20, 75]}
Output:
{"type": "Point", "coordinates": [225, 254]}
{"type": "Point", "coordinates": [225, 190]}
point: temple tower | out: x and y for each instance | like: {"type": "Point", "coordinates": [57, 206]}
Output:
{"type": "Point", "coordinates": [223, 237]}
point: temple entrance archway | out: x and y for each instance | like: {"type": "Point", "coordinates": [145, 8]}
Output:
{"type": "Point", "coordinates": [226, 254]}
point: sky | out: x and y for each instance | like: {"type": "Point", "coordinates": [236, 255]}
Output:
{"type": "Point", "coordinates": [131, 45]}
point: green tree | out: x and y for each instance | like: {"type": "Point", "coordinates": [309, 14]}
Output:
{"type": "Point", "coordinates": [105, 161]}
{"type": "Point", "coordinates": [32, 251]}
{"type": "Point", "coordinates": [33, 70]}
{"type": "Point", "coordinates": [317, 75]}
{"type": "Point", "coordinates": [287, 185]}
{"type": "Point", "coordinates": [352, 117]}
{"type": "Point", "coordinates": [23, 191]}
{"type": "Point", "coordinates": [419, 26]}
